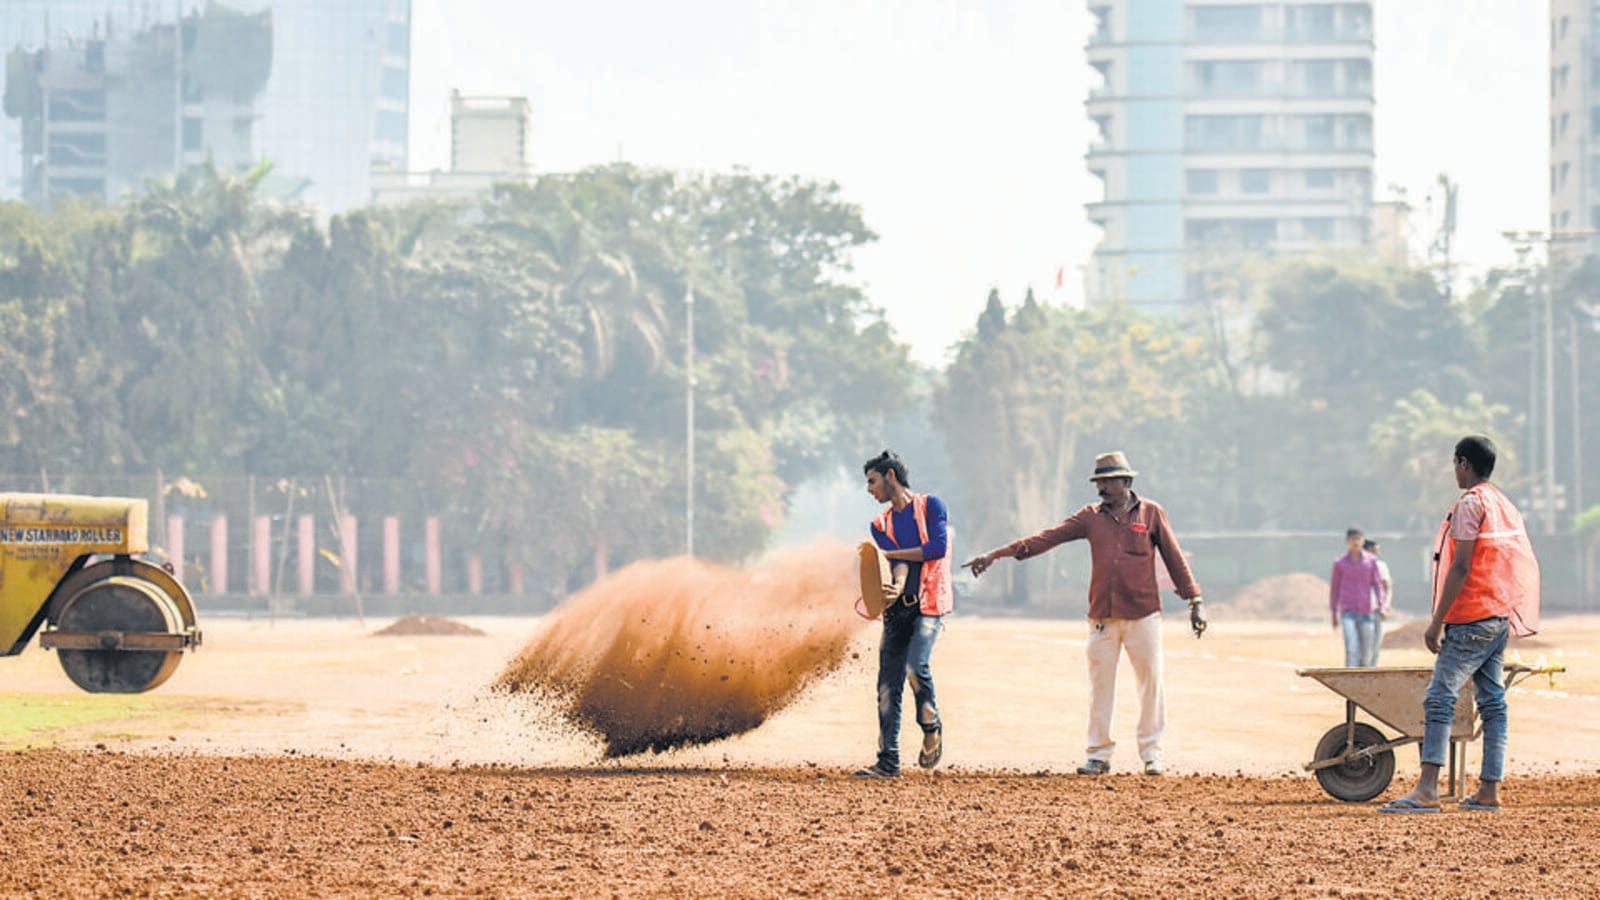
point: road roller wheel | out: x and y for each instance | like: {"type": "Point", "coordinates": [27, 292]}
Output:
{"type": "Point", "coordinates": [120, 603]}
{"type": "Point", "coordinates": [1360, 778]}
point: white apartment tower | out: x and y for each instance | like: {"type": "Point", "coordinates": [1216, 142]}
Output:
{"type": "Point", "coordinates": [1225, 128]}
{"type": "Point", "coordinates": [1574, 127]}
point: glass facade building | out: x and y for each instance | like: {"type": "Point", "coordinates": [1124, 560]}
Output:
{"type": "Point", "coordinates": [337, 101]}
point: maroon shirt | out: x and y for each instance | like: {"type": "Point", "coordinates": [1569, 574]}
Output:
{"type": "Point", "coordinates": [1122, 579]}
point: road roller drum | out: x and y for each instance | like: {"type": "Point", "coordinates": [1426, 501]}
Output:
{"type": "Point", "coordinates": [76, 567]}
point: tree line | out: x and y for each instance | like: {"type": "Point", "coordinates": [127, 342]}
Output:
{"type": "Point", "coordinates": [521, 359]}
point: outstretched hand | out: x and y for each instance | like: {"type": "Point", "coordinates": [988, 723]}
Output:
{"type": "Point", "coordinates": [978, 564]}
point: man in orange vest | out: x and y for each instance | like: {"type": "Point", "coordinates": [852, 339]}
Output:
{"type": "Point", "coordinates": [913, 532]}
{"type": "Point", "coordinates": [1490, 590]}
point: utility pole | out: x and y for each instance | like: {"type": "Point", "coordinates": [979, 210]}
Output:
{"type": "Point", "coordinates": [688, 304]}
{"type": "Point", "coordinates": [1548, 495]}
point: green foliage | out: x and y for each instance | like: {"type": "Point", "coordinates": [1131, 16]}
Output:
{"type": "Point", "coordinates": [1024, 391]}
{"type": "Point", "coordinates": [1587, 525]}
{"type": "Point", "coordinates": [523, 359]}
{"type": "Point", "coordinates": [1413, 447]}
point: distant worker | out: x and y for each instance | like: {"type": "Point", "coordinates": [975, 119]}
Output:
{"type": "Point", "coordinates": [910, 532]}
{"type": "Point", "coordinates": [1386, 601]}
{"type": "Point", "coordinates": [1124, 532]}
{"type": "Point", "coordinates": [1486, 588]}
{"type": "Point", "coordinates": [1354, 597]}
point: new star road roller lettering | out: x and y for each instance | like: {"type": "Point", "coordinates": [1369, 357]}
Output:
{"type": "Point", "coordinates": [72, 566]}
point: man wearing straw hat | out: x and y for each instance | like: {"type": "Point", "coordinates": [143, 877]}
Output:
{"type": "Point", "coordinates": [1124, 532]}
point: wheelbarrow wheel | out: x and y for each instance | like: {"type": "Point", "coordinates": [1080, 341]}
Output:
{"type": "Point", "coordinates": [1363, 775]}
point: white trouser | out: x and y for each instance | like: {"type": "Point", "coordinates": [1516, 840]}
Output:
{"type": "Point", "coordinates": [1142, 639]}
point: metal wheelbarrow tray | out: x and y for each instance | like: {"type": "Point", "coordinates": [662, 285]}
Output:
{"type": "Point", "coordinates": [1354, 761]}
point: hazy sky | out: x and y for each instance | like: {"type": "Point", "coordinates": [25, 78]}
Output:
{"type": "Point", "coordinates": [957, 126]}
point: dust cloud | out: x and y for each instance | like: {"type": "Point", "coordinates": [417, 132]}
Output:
{"type": "Point", "coordinates": [667, 653]}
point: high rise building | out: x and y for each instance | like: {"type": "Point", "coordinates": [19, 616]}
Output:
{"type": "Point", "coordinates": [339, 100]}
{"type": "Point", "coordinates": [1225, 128]}
{"type": "Point", "coordinates": [100, 114]}
{"type": "Point", "coordinates": [1574, 127]}
{"type": "Point", "coordinates": [33, 24]}
{"type": "Point", "coordinates": [336, 103]}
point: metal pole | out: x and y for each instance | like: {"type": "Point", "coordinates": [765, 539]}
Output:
{"type": "Point", "coordinates": [1577, 431]}
{"type": "Point", "coordinates": [688, 303]}
{"type": "Point", "coordinates": [1549, 403]}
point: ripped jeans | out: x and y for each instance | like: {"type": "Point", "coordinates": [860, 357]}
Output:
{"type": "Point", "coordinates": [907, 645]}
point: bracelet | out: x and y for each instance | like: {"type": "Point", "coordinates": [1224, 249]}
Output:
{"type": "Point", "coordinates": [1196, 601]}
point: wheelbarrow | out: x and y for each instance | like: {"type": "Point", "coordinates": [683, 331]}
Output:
{"type": "Point", "coordinates": [1355, 761]}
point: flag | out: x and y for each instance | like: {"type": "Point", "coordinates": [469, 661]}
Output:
{"type": "Point", "coordinates": [1061, 276]}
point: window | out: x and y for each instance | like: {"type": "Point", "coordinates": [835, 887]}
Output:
{"type": "Point", "coordinates": [1356, 132]}
{"type": "Point", "coordinates": [1358, 76]}
{"type": "Point", "coordinates": [1227, 23]}
{"type": "Point", "coordinates": [1320, 76]}
{"type": "Point", "coordinates": [77, 106]}
{"type": "Point", "coordinates": [1319, 132]}
{"type": "Point", "coordinates": [396, 83]}
{"type": "Point", "coordinates": [1223, 132]}
{"type": "Point", "coordinates": [193, 134]}
{"type": "Point", "coordinates": [1314, 22]}
{"type": "Point", "coordinates": [392, 126]}
{"type": "Point", "coordinates": [1319, 179]}
{"type": "Point", "coordinates": [1227, 79]}
{"type": "Point", "coordinates": [1259, 231]}
{"type": "Point", "coordinates": [1202, 181]}
{"type": "Point", "coordinates": [399, 39]}
{"type": "Point", "coordinates": [1357, 23]}
{"type": "Point", "coordinates": [1255, 181]}
{"type": "Point", "coordinates": [1205, 231]}
{"type": "Point", "coordinates": [1317, 229]}
{"type": "Point", "coordinates": [77, 186]}
{"type": "Point", "coordinates": [77, 148]}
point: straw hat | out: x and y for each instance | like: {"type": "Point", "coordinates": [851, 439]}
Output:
{"type": "Point", "coordinates": [1111, 465]}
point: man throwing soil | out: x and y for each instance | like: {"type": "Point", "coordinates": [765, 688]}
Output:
{"type": "Point", "coordinates": [1489, 590]}
{"type": "Point", "coordinates": [912, 531]}
{"type": "Point", "coordinates": [1124, 530]}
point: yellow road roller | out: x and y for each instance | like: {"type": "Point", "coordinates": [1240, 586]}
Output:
{"type": "Point", "coordinates": [119, 622]}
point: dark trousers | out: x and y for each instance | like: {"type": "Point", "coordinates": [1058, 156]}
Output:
{"type": "Point", "coordinates": [903, 656]}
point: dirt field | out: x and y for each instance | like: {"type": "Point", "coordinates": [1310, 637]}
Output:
{"type": "Point", "coordinates": [311, 757]}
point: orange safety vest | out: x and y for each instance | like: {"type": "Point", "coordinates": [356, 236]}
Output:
{"type": "Point", "coordinates": [937, 598]}
{"type": "Point", "coordinates": [1504, 577]}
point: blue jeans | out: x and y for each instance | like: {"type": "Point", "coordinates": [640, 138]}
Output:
{"type": "Point", "coordinates": [1472, 650]}
{"type": "Point", "coordinates": [908, 638]}
{"type": "Point", "coordinates": [1360, 638]}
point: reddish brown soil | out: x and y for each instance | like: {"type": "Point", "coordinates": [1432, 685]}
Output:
{"type": "Point", "coordinates": [426, 625]}
{"type": "Point", "coordinates": [675, 652]}
{"type": "Point", "coordinates": [1295, 597]}
{"type": "Point", "coordinates": [91, 824]}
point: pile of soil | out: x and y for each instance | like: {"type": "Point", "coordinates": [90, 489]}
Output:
{"type": "Point", "coordinates": [90, 824]}
{"type": "Point", "coordinates": [667, 653]}
{"type": "Point", "coordinates": [1296, 597]}
{"type": "Point", "coordinates": [1409, 637]}
{"type": "Point", "coordinates": [426, 625]}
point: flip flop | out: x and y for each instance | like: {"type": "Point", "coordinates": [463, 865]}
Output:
{"type": "Point", "coordinates": [1471, 804]}
{"type": "Point", "coordinates": [1406, 805]}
